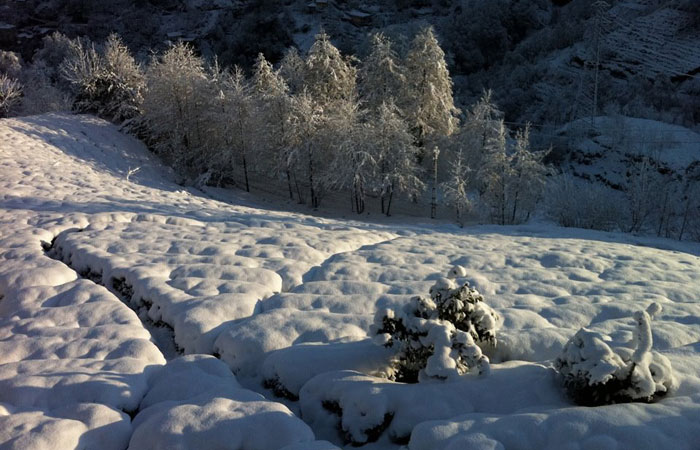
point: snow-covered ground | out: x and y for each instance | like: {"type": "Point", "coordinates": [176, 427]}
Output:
{"type": "Point", "coordinates": [106, 273]}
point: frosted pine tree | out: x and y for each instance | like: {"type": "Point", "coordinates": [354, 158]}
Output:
{"type": "Point", "coordinates": [431, 111]}
{"type": "Point", "coordinates": [396, 155]}
{"type": "Point", "coordinates": [328, 76]}
{"type": "Point", "coordinates": [381, 75]}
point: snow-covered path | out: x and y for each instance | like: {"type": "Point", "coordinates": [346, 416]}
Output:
{"type": "Point", "coordinates": [288, 299]}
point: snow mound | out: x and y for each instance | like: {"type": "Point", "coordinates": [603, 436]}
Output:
{"type": "Point", "coordinates": [195, 402]}
{"type": "Point", "coordinates": [83, 425]}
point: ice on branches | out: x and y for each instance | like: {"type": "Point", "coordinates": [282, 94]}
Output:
{"type": "Point", "coordinates": [594, 373]}
{"type": "Point", "coordinates": [437, 338]}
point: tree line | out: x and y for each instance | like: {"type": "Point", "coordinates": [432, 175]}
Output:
{"type": "Point", "coordinates": [322, 122]}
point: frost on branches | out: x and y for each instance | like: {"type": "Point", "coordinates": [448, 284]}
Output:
{"type": "Point", "coordinates": [596, 374]}
{"type": "Point", "coordinates": [437, 338]}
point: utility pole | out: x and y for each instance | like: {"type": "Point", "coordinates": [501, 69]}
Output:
{"type": "Point", "coordinates": [601, 8]}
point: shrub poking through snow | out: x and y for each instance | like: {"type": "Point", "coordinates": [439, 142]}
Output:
{"type": "Point", "coordinates": [594, 373]}
{"type": "Point", "coordinates": [436, 338]}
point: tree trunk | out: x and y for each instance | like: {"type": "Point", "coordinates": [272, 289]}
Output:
{"type": "Point", "coordinates": [311, 177]}
{"type": "Point", "coordinates": [388, 206]}
{"type": "Point", "coordinates": [289, 184]}
{"type": "Point", "coordinates": [245, 172]}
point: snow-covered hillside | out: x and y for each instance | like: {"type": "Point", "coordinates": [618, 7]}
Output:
{"type": "Point", "coordinates": [107, 273]}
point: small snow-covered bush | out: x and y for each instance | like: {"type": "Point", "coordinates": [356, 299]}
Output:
{"type": "Point", "coordinates": [107, 82]}
{"type": "Point", "coordinates": [574, 203]}
{"type": "Point", "coordinates": [436, 338]}
{"type": "Point", "coordinates": [10, 94]}
{"type": "Point", "coordinates": [594, 373]}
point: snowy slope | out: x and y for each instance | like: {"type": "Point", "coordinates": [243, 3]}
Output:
{"type": "Point", "coordinates": [287, 300]}
{"type": "Point", "coordinates": [602, 149]}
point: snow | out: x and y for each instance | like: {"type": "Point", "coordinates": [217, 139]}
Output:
{"type": "Point", "coordinates": [287, 299]}
{"type": "Point", "coordinates": [195, 402]}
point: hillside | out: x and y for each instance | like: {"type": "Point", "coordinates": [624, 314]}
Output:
{"type": "Point", "coordinates": [538, 57]}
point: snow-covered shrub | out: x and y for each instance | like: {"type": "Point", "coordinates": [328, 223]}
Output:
{"type": "Point", "coordinates": [437, 337]}
{"type": "Point", "coordinates": [574, 203]}
{"type": "Point", "coordinates": [594, 373]}
{"type": "Point", "coordinates": [109, 82]}
{"type": "Point", "coordinates": [10, 94]}
{"type": "Point", "coordinates": [41, 95]}
{"type": "Point", "coordinates": [10, 64]}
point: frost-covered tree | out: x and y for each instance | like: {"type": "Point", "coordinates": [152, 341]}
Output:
{"type": "Point", "coordinates": [456, 187]}
{"type": "Point", "coordinates": [234, 122]}
{"type": "Point", "coordinates": [292, 70]}
{"type": "Point", "coordinates": [494, 174]}
{"type": "Point", "coordinates": [10, 94]}
{"type": "Point", "coordinates": [328, 76]}
{"type": "Point", "coordinates": [238, 96]}
{"type": "Point", "coordinates": [481, 127]}
{"type": "Point", "coordinates": [272, 94]}
{"type": "Point", "coordinates": [306, 120]}
{"type": "Point", "coordinates": [642, 188]}
{"type": "Point", "coordinates": [596, 373]}
{"type": "Point", "coordinates": [430, 110]}
{"type": "Point", "coordinates": [354, 156]}
{"type": "Point", "coordinates": [381, 77]}
{"type": "Point", "coordinates": [436, 338]}
{"type": "Point", "coordinates": [176, 107]}
{"type": "Point", "coordinates": [397, 155]}
{"type": "Point", "coordinates": [527, 178]}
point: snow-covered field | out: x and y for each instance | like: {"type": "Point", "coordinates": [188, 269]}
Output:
{"type": "Point", "coordinates": [107, 274]}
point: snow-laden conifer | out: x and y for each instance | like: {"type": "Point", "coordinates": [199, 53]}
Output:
{"type": "Point", "coordinates": [438, 338]}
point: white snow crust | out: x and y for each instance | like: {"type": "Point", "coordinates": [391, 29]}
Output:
{"type": "Point", "coordinates": [288, 297]}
